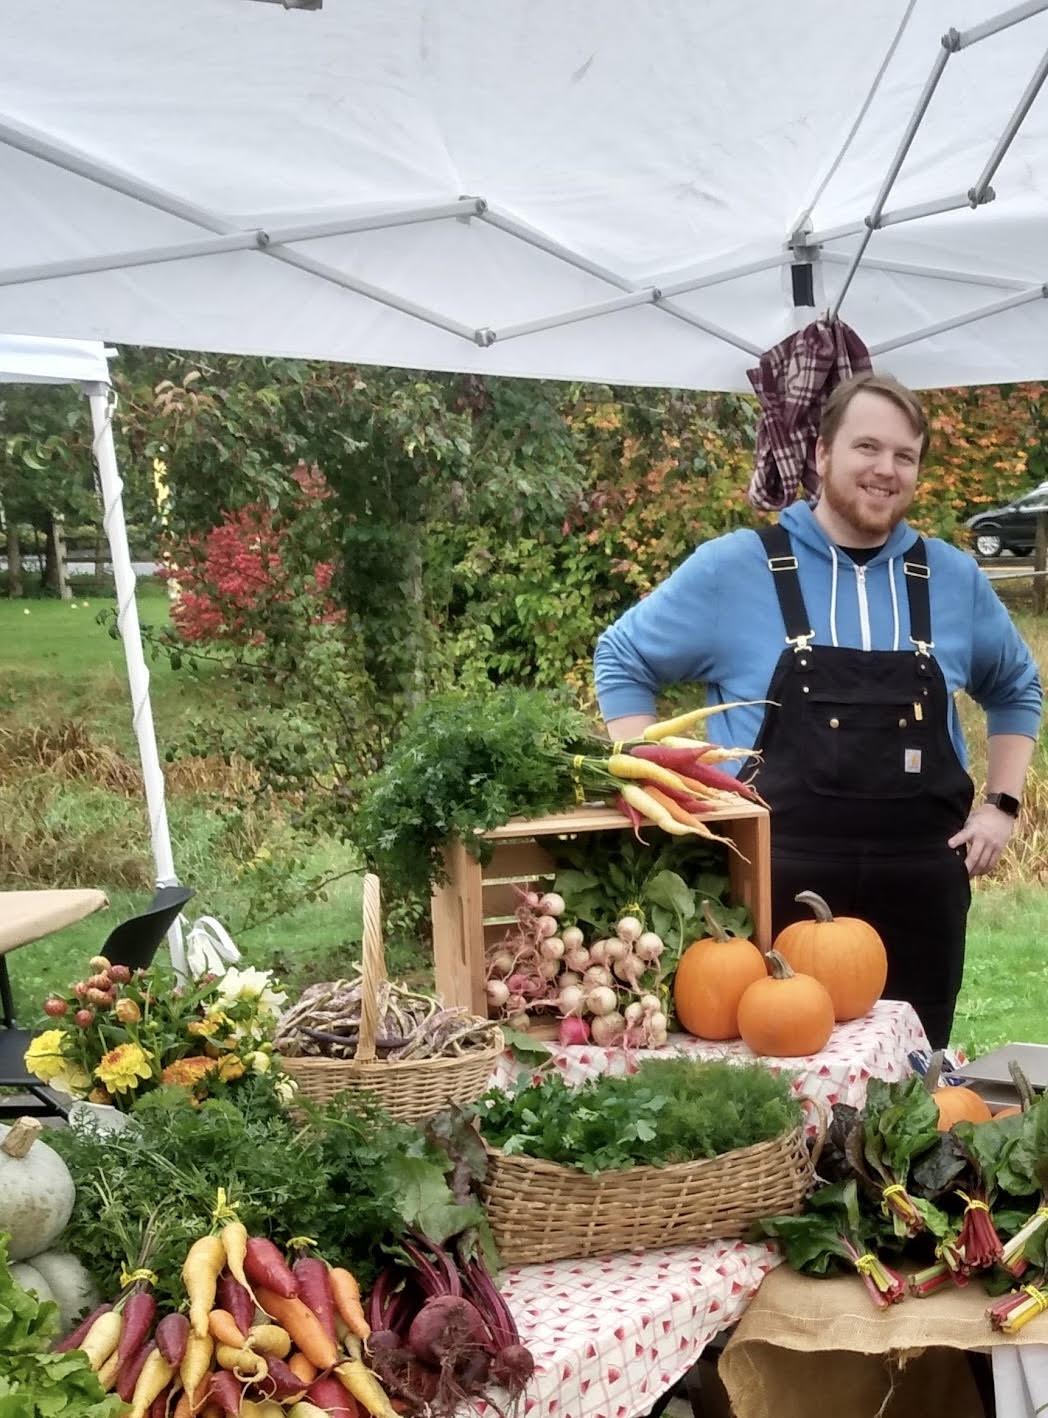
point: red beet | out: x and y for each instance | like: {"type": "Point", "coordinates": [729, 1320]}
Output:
{"type": "Point", "coordinates": [512, 1367]}
{"type": "Point", "coordinates": [447, 1330]}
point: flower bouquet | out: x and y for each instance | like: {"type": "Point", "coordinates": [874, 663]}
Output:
{"type": "Point", "coordinates": [120, 1033]}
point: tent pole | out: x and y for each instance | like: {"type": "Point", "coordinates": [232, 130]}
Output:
{"type": "Point", "coordinates": [99, 398]}
{"type": "Point", "coordinates": [984, 312]}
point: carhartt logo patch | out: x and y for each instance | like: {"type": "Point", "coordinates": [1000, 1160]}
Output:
{"type": "Point", "coordinates": [911, 760]}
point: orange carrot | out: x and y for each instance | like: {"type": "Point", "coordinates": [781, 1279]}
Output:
{"type": "Point", "coordinates": [200, 1271]}
{"type": "Point", "coordinates": [302, 1368]}
{"type": "Point", "coordinates": [346, 1291]}
{"type": "Point", "coordinates": [302, 1325]}
{"type": "Point", "coordinates": [224, 1329]}
{"type": "Point", "coordinates": [183, 1408]}
{"type": "Point", "coordinates": [675, 810]}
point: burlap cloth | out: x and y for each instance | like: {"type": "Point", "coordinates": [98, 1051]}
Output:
{"type": "Point", "coordinates": [807, 1346]}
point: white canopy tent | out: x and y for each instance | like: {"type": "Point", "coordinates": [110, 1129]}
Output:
{"type": "Point", "coordinates": [640, 193]}
{"type": "Point", "coordinates": [32, 360]}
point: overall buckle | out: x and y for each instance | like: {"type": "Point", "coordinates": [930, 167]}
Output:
{"type": "Point", "coordinates": [801, 642]}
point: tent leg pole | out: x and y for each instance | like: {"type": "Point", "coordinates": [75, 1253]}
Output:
{"type": "Point", "coordinates": [99, 397]}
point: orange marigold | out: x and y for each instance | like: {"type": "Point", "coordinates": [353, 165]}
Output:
{"type": "Point", "coordinates": [186, 1072]}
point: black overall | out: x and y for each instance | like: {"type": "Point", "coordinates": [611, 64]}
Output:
{"type": "Point", "coordinates": [865, 789]}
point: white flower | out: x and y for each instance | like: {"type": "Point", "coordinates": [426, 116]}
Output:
{"type": "Point", "coordinates": [285, 1089]}
{"type": "Point", "coordinates": [259, 1062]}
{"type": "Point", "coordinates": [254, 985]}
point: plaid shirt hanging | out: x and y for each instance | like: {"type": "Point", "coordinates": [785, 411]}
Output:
{"type": "Point", "coordinates": [792, 382]}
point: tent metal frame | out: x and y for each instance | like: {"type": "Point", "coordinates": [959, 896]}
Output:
{"type": "Point", "coordinates": [802, 247]}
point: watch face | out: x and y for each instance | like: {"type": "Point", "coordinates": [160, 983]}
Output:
{"type": "Point", "coordinates": [1005, 802]}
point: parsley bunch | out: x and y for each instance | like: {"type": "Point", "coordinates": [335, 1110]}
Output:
{"type": "Point", "coordinates": [465, 763]}
{"type": "Point", "coordinates": [670, 1110]}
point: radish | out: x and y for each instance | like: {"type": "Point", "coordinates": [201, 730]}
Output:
{"type": "Point", "coordinates": [572, 937]}
{"type": "Point", "coordinates": [552, 948]}
{"type": "Point", "coordinates": [600, 1001]}
{"type": "Point", "coordinates": [573, 1030]}
{"type": "Point", "coordinates": [628, 929]}
{"type": "Point", "coordinates": [597, 975]}
{"type": "Point", "coordinates": [598, 952]}
{"type": "Point", "coordinates": [570, 977]}
{"type": "Point", "coordinates": [501, 962]}
{"type": "Point", "coordinates": [546, 926]}
{"type": "Point", "coordinates": [615, 949]}
{"type": "Point", "coordinates": [608, 1029]}
{"type": "Point", "coordinates": [575, 958]}
{"type": "Point", "coordinates": [649, 947]}
{"type": "Point", "coordinates": [552, 905]}
{"type": "Point", "coordinates": [497, 992]}
{"type": "Point", "coordinates": [570, 999]}
{"type": "Point", "coordinates": [549, 969]}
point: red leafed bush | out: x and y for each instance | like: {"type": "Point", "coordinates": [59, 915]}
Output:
{"type": "Point", "coordinates": [231, 579]}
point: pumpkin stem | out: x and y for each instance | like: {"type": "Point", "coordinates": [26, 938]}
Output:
{"type": "Point", "coordinates": [21, 1136]}
{"type": "Point", "coordinates": [779, 967]}
{"type": "Point", "coordinates": [716, 930]}
{"type": "Point", "coordinates": [1022, 1085]}
{"type": "Point", "coordinates": [934, 1070]}
{"type": "Point", "coordinates": [818, 905]}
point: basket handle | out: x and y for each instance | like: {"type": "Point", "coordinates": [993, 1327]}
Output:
{"type": "Point", "coordinates": [373, 969]}
{"type": "Point", "coordinates": [822, 1122]}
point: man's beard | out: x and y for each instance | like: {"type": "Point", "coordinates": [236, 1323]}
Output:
{"type": "Point", "coordinates": [867, 516]}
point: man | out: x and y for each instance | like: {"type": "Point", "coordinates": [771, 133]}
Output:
{"type": "Point", "coordinates": [860, 633]}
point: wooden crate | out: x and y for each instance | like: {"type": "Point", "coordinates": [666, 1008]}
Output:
{"type": "Point", "coordinates": [478, 902]}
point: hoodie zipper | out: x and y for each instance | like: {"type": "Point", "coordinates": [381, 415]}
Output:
{"type": "Point", "coordinates": [864, 608]}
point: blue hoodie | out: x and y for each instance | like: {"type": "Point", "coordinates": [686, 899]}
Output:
{"type": "Point", "coordinates": [716, 621]}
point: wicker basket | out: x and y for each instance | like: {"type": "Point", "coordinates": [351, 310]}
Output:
{"type": "Point", "coordinates": [409, 1090]}
{"type": "Point", "coordinates": [541, 1211]}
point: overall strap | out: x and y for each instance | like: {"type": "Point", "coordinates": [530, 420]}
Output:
{"type": "Point", "coordinates": [783, 566]}
{"type": "Point", "coordinates": [915, 565]}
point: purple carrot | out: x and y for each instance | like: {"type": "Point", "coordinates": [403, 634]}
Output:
{"type": "Point", "coordinates": [280, 1381]}
{"type": "Point", "coordinates": [224, 1390]}
{"type": "Point", "coordinates": [314, 1290]}
{"type": "Point", "coordinates": [172, 1335]}
{"type": "Point", "coordinates": [158, 1408]}
{"type": "Point", "coordinates": [264, 1264]}
{"type": "Point", "coordinates": [73, 1338]}
{"type": "Point", "coordinates": [232, 1296]}
{"type": "Point", "coordinates": [130, 1370]}
{"type": "Point", "coordinates": [139, 1313]}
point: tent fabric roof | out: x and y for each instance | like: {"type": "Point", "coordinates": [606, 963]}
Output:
{"type": "Point", "coordinates": [447, 186]}
{"type": "Point", "coordinates": [32, 359]}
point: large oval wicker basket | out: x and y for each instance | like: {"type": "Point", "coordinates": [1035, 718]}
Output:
{"type": "Point", "coordinates": [541, 1211]}
{"type": "Point", "coordinates": [410, 1090]}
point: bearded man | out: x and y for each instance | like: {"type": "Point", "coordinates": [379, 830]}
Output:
{"type": "Point", "coordinates": [860, 633]}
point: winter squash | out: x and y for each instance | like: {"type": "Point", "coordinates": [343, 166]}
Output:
{"type": "Point", "coordinates": [843, 953]}
{"type": "Point", "coordinates": [36, 1190]}
{"type": "Point", "coordinates": [710, 980]}
{"type": "Point", "coordinates": [786, 1014]}
{"type": "Point", "coordinates": [957, 1104]}
{"type": "Point", "coordinates": [69, 1282]}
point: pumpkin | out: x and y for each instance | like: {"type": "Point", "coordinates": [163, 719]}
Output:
{"type": "Point", "coordinates": [710, 980]}
{"type": "Point", "coordinates": [36, 1190]}
{"type": "Point", "coordinates": [842, 953]}
{"type": "Point", "coordinates": [957, 1104]}
{"type": "Point", "coordinates": [786, 1014]}
{"type": "Point", "coordinates": [1008, 1112]}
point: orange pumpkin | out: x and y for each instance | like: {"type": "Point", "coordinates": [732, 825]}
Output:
{"type": "Point", "coordinates": [785, 1014]}
{"type": "Point", "coordinates": [710, 980]}
{"type": "Point", "coordinates": [842, 953]}
{"type": "Point", "coordinates": [958, 1104]}
{"type": "Point", "coordinates": [1008, 1112]}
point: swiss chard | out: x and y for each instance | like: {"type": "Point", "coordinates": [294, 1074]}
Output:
{"type": "Point", "coordinates": [901, 1123]}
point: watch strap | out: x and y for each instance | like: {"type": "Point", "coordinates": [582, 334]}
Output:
{"type": "Point", "coordinates": [1005, 802]}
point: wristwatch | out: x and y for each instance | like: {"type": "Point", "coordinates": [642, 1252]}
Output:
{"type": "Point", "coordinates": [1005, 802]}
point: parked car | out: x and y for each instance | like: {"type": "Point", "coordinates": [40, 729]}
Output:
{"type": "Point", "coordinates": [1010, 528]}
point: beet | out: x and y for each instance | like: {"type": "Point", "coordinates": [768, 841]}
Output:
{"type": "Point", "coordinates": [512, 1367]}
{"type": "Point", "coordinates": [447, 1331]}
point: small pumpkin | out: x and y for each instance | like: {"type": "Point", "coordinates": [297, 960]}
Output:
{"type": "Point", "coordinates": [711, 978]}
{"type": "Point", "coordinates": [957, 1104]}
{"type": "Point", "coordinates": [841, 952]}
{"type": "Point", "coordinates": [36, 1189]}
{"type": "Point", "coordinates": [786, 1014]}
{"type": "Point", "coordinates": [1009, 1112]}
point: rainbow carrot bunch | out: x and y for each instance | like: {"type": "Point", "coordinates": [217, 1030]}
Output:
{"type": "Point", "coordinates": [670, 779]}
{"type": "Point", "coordinates": [258, 1337]}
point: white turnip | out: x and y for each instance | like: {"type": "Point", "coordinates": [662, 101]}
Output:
{"type": "Point", "coordinates": [629, 970]}
{"type": "Point", "coordinates": [570, 977]}
{"type": "Point", "coordinates": [628, 928]}
{"type": "Point", "coordinates": [546, 926]}
{"type": "Point", "coordinates": [572, 937]}
{"type": "Point", "coordinates": [649, 947]}
{"type": "Point", "coordinates": [650, 1003]}
{"type": "Point", "coordinates": [633, 1013]}
{"type": "Point", "coordinates": [520, 1021]}
{"type": "Point", "coordinates": [501, 962]}
{"type": "Point", "coordinates": [601, 1000]}
{"type": "Point", "coordinates": [549, 969]}
{"type": "Point", "coordinates": [598, 952]}
{"type": "Point", "coordinates": [497, 992]}
{"type": "Point", "coordinates": [571, 999]}
{"type": "Point", "coordinates": [552, 948]}
{"type": "Point", "coordinates": [551, 904]}
{"type": "Point", "coordinates": [597, 975]}
{"type": "Point", "coordinates": [608, 1029]}
{"type": "Point", "coordinates": [615, 949]}
{"type": "Point", "coordinates": [576, 957]}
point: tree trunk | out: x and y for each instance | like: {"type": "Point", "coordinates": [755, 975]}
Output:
{"type": "Point", "coordinates": [14, 562]}
{"type": "Point", "coordinates": [54, 578]}
{"type": "Point", "coordinates": [1040, 558]}
{"type": "Point", "coordinates": [416, 637]}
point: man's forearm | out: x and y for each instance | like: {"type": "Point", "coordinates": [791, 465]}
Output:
{"type": "Point", "coordinates": [630, 726]}
{"type": "Point", "coordinates": [1007, 759]}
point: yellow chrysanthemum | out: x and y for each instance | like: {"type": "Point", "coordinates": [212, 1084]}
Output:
{"type": "Point", "coordinates": [231, 1067]}
{"type": "Point", "coordinates": [73, 1080]}
{"type": "Point", "coordinates": [45, 1056]}
{"type": "Point", "coordinates": [203, 1027]}
{"type": "Point", "coordinates": [124, 1068]}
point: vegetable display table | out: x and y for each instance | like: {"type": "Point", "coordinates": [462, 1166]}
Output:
{"type": "Point", "coordinates": [611, 1334]}
{"type": "Point", "coordinates": [876, 1046]}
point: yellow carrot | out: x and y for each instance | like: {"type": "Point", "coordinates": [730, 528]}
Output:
{"type": "Point", "coordinates": [269, 1339]}
{"type": "Point", "coordinates": [234, 1243]}
{"type": "Point", "coordinates": [196, 1361]}
{"type": "Point", "coordinates": [156, 1374]}
{"type": "Point", "coordinates": [665, 728]}
{"type": "Point", "coordinates": [645, 803]}
{"type": "Point", "coordinates": [102, 1338]}
{"type": "Point", "coordinates": [708, 752]}
{"type": "Point", "coordinates": [200, 1271]}
{"type": "Point", "coordinates": [110, 1371]}
{"type": "Point", "coordinates": [304, 1409]}
{"type": "Point", "coordinates": [245, 1363]}
{"type": "Point", "coordinates": [624, 765]}
{"type": "Point", "coordinates": [261, 1408]}
{"type": "Point", "coordinates": [358, 1380]}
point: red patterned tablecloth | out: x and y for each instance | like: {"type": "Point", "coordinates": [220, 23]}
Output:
{"type": "Point", "coordinates": [612, 1334]}
{"type": "Point", "coordinates": [875, 1046]}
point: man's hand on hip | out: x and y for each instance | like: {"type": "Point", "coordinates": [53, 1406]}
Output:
{"type": "Point", "coordinates": [984, 837]}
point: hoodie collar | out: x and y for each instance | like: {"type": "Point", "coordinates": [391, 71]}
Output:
{"type": "Point", "coordinates": [799, 521]}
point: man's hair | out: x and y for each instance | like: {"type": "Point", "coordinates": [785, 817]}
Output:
{"type": "Point", "coordinates": [888, 388]}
